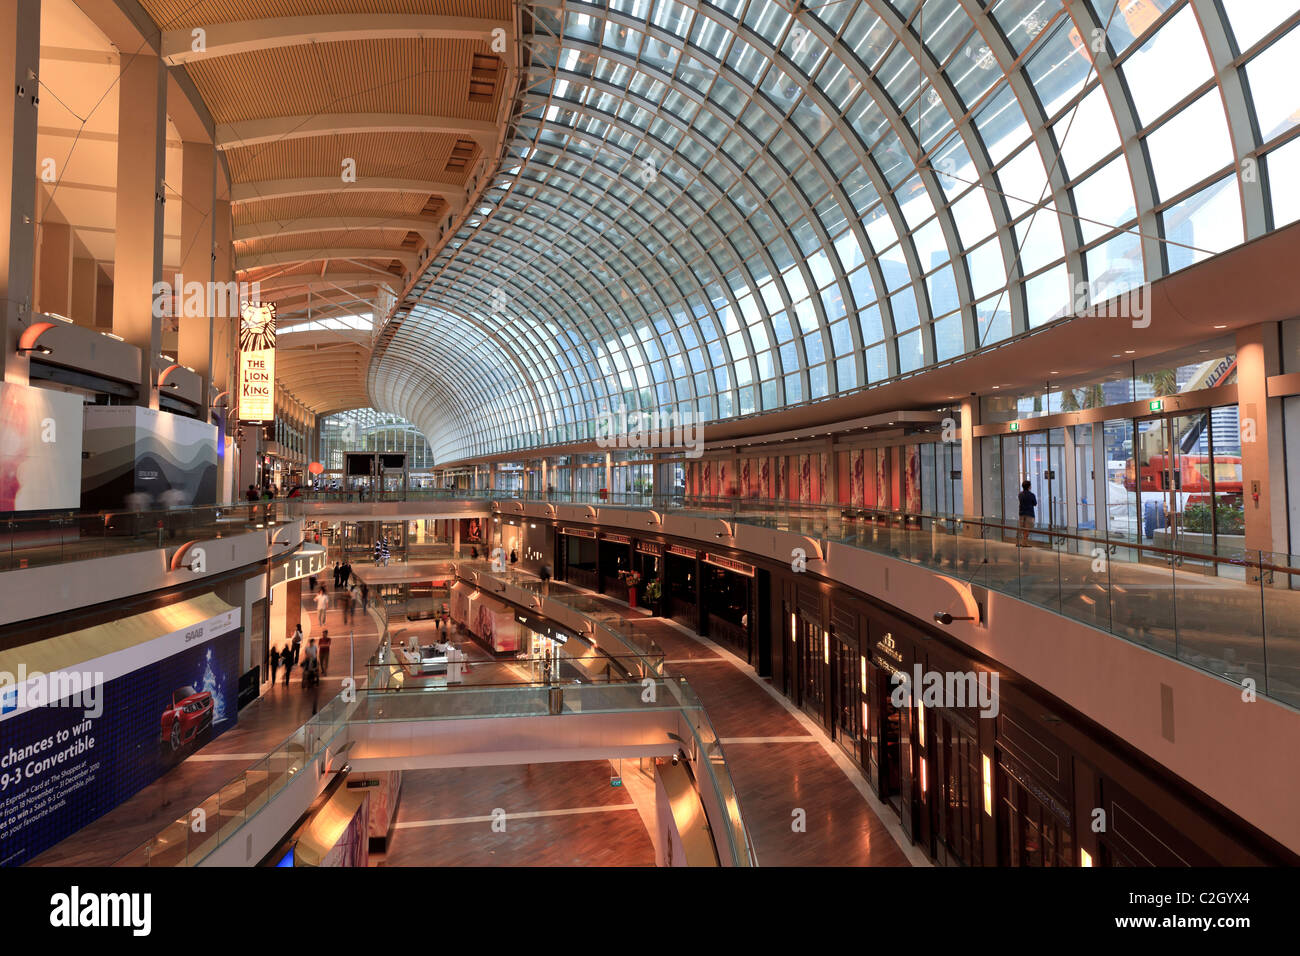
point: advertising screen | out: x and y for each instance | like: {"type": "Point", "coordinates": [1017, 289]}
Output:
{"type": "Point", "coordinates": [257, 362]}
{"type": "Point", "coordinates": [40, 448]}
{"type": "Point", "coordinates": [74, 745]}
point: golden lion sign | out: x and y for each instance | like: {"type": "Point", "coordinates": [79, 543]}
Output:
{"type": "Point", "coordinates": [257, 362]}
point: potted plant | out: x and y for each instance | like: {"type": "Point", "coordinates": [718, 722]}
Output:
{"type": "Point", "coordinates": [653, 592]}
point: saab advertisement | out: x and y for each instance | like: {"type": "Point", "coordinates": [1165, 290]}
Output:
{"type": "Point", "coordinates": [74, 745]}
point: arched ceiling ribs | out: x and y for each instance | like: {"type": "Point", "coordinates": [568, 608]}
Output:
{"type": "Point", "coordinates": [271, 229]}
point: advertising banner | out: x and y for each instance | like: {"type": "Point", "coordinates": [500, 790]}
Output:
{"type": "Point", "coordinates": [74, 745]}
{"type": "Point", "coordinates": [143, 459]}
{"type": "Point", "coordinates": [257, 362]}
{"type": "Point", "coordinates": [40, 449]}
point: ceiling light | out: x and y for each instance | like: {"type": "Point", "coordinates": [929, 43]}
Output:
{"type": "Point", "coordinates": [1220, 326]}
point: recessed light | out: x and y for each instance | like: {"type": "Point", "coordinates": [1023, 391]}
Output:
{"type": "Point", "coordinates": [1220, 326]}
{"type": "Point", "coordinates": [1129, 351]}
{"type": "Point", "coordinates": [997, 386]}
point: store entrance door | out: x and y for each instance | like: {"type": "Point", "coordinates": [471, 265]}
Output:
{"type": "Point", "coordinates": [1167, 481]}
{"type": "Point", "coordinates": [813, 667]}
{"type": "Point", "coordinates": [848, 698]}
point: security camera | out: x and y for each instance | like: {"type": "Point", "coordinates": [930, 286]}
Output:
{"type": "Point", "coordinates": [943, 617]}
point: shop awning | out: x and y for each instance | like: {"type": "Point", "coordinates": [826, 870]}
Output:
{"type": "Point", "coordinates": [75, 648]}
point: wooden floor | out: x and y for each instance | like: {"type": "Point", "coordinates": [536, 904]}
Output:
{"type": "Point", "coordinates": [777, 764]}
{"type": "Point", "coordinates": [555, 814]}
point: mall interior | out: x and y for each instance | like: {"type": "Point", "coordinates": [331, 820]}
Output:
{"type": "Point", "coordinates": [716, 433]}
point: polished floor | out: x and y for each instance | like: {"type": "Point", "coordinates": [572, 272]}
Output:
{"type": "Point", "coordinates": [552, 814]}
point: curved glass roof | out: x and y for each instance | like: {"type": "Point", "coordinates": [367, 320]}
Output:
{"type": "Point", "coordinates": [731, 207]}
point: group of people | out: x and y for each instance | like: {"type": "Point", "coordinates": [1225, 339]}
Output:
{"type": "Point", "coordinates": [381, 552]}
{"type": "Point", "coordinates": [314, 658]}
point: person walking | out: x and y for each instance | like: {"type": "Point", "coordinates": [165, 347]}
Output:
{"type": "Point", "coordinates": [297, 644]}
{"type": "Point", "coordinates": [365, 597]}
{"type": "Point", "coordinates": [287, 660]}
{"type": "Point", "coordinates": [324, 652]}
{"type": "Point", "coordinates": [345, 604]}
{"type": "Point", "coordinates": [347, 574]}
{"type": "Point", "coordinates": [1028, 502]}
{"type": "Point", "coordinates": [275, 663]}
{"type": "Point", "coordinates": [322, 605]}
{"type": "Point", "coordinates": [310, 663]}
{"type": "Point", "coordinates": [337, 574]}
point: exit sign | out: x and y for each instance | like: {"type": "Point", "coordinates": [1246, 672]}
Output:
{"type": "Point", "coordinates": [1157, 406]}
{"type": "Point", "coordinates": [1015, 426]}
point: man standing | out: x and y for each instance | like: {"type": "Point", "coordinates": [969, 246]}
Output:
{"type": "Point", "coordinates": [322, 605]}
{"type": "Point", "coordinates": [1028, 502]}
{"type": "Point", "coordinates": [324, 652]}
{"type": "Point", "coordinates": [337, 574]}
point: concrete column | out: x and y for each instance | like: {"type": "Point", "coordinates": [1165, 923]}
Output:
{"type": "Point", "coordinates": [971, 470]}
{"type": "Point", "coordinates": [54, 269]}
{"type": "Point", "coordinates": [141, 166]}
{"type": "Point", "coordinates": [198, 182]}
{"type": "Point", "coordinates": [1263, 459]}
{"type": "Point", "coordinates": [20, 55]}
{"type": "Point", "coordinates": [85, 286]}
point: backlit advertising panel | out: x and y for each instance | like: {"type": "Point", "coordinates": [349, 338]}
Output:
{"type": "Point", "coordinates": [257, 362]}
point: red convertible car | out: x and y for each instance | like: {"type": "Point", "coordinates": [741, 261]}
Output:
{"type": "Point", "coordinates": [189, 715]}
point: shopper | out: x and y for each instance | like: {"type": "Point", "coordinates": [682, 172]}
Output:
{"type": "Point", "coordinates": [365, 596]}
{"type": "Point", "coordinates": [355, 594]}
{"type": "Point", "coordinates": [275, 663]}
{"type": "Point", "coordinates": [297, 644]}
{"type": "Point", "coordinates": [345, 605]}
{"type": "Point", "coordinates": [1028, 502]}
{"type": "Point", "coordinates": [310, 663]}
{"type": "Point", "coordinates": [347, 574]}
{"type": "Point", "coordinates": [322, 605]}
{"type": "Point", "coordinates": [324, 652]}
{"type": "Point", "coordinates": [287, 660]}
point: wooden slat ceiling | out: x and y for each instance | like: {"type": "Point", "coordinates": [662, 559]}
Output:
{"type": "Point", "coordinates": [399, 155]}
{"type": "Point", "coordinates": [318, 205]}
{"type": "Point", "coordinates": [398, 76]}
{"type": "Point", "coordinates": [184, 14]}
{"type": "Point", "coordinates": [428, 77]}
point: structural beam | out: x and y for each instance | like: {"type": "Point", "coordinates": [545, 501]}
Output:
{"type": "Point", "coordinates": [20, 38]}
{"type": "Point", "coordinates": [293, 256]}
{"type": "Point", "coordinates": [256, 190]}
{"type": "Point", "coordinates": [247, 36]}
{"type": "Point", "coordinates": [268, 230]}
{"type": "Point", "coordinates": [274, 129]}
{"type": "Point", "coordinates": [346, 280]}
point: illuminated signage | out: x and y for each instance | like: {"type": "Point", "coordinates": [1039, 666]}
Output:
{"type": "Point", "coordinates": [578, 532]}
{"type": "Point", "coordinates": [649, 547]}
{"type": "Point", "coordinates": [738, 566]}
{"type": "Point", "coordinates": [257, 362]}
{"type": "Point", "coordinates": [681, 552]}
{"type": "Point", "coordinates": [616, 538]}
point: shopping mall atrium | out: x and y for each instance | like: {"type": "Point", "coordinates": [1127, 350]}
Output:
{"type": "Point", "coordinates": [635, 433]}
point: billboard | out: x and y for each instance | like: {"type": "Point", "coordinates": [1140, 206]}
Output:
{"type": "Point", "coordinates": [144, 459]}
{"type": "Point", "coordinates": [40, 448]}
{"type": "Point", "coordinates": [77, 744]}
{"type": "Point", "coordinates": [257, 362]}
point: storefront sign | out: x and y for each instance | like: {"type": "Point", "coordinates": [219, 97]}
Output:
{"type": "Point", "coordinates": [578, 533]}
{"type": "Point", "coordinates": [299, 566]}
{"type": "Point", "coordinates": [738, 566]}
{"type": "Point", "coordinates": [681, 552]}
{"type": "Point", "coordinates": [257, 362]}
{"type": "Point", "coordinates": [616, 538]}
{"type": "Point", "coordinates": [888, 656]}
{"type": "Point", "coordinates": [650, 547]}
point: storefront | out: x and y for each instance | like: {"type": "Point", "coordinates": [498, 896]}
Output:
{"type": "Point", "coordinates": [615, 563]}
{"type": "Point", "coordinates": [682, 585]}
{"type": "Point", "coordinates": [648, 563]}
{"type": "Point", "coordinates": [580, 553]}
{"type": "Point", "coordinates": [729, 602]}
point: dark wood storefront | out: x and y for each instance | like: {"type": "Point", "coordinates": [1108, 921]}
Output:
{"type": "Point", "coordinates": [1019, 787]}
